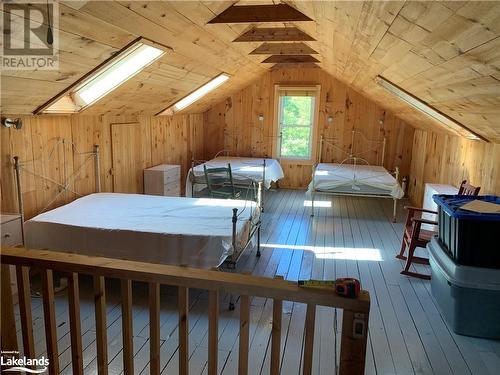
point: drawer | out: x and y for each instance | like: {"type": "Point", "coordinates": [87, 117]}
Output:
{"type": "Point", "coordinates": [173, 175]}
{"type": "Point", "coordinates": [172, 190]}
{"type": "Point", "coordinates": [12, 233]}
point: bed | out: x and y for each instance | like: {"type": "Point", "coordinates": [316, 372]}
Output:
{"type": "Point", "coordinates": [195, 232]}
{"type": "Point", "coordinates": [245, 171]}
{"type": "Point", "coordinates": [356, 177]}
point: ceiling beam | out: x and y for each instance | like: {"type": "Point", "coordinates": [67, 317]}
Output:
{"type": "Point", "coordinates": [274, 34]}
{"type": "Point", "coordinates": [295, 66]}
{"type": "Point", "coordinates": [283, 49]}
{"type": "Point", "coordinates": [290, 59]}
{"type": "Point", "coordinates": [260, 13]}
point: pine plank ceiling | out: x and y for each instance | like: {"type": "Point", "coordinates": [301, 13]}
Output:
{"type": "Point", "coordinates": [445, 52]}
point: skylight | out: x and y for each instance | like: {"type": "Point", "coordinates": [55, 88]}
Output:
{"type": "Point", "coordinates": [195, 95]}
{"type": "Point", "coordinates": [104, 79]}
{"type": "Point", "coordinates": [415, 102]}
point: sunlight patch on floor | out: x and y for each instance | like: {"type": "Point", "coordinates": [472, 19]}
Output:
{"type": "Point", "coordinates": [331, 252]}
{"type": "Point", "coordinates": [308, 203]}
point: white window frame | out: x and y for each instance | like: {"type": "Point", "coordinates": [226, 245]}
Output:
{"type": "Point", "coordinates": [314, 116]}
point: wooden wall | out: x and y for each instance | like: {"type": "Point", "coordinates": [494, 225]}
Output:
{"type": "Point", "coordinates": [172, 140]}
{"type": "Point", "coordinates": [449, 159]}
{"type": "Point", "coordinates": [233, 123]}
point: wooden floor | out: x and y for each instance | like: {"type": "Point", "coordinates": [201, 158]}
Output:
{"type": "Point", "coordinates": [347, 237]}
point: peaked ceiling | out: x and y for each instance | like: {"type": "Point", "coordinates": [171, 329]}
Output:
{"type": "Point", "coordinates": [445, 53]}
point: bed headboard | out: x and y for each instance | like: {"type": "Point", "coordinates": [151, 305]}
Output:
{"type": "Point", "coordinates": [64, 185]}
{"type": "Point", "coordinates": [355, 155]}
{"type": "Point", "coordinates": [223, 152]}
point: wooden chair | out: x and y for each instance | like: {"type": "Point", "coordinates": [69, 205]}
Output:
{"type": "Point", "coordinates": [220, 182]}
{"type": "Point", "coordinates": [467, 189]}
{"type": "Point", "coordinates": [414, 236]}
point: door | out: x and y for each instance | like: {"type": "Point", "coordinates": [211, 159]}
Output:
{"type": "Point", "coordinates": [131, 155]}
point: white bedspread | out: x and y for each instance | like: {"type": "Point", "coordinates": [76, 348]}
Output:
{"type": "Point", "coordinates": [183, 231]}
{"type": "Point", "coordinates": [244, 170]}
{"type": "Point", "coordinates": [355, 179]}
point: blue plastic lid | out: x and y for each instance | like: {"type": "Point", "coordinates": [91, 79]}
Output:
{"type": "Point", "coordinates": [451, 205]}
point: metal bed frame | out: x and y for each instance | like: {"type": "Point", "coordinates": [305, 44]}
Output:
{"type": "Point", "coordinates": [356, 159]}
{"type": "Point", "coordinates": [19, 166]}
{"type": "Point", "coordinates": [200, 180]}
{"type": "Point", "coordinates": [64, 185]}
{"type": "Point", "coordinates": [231, 261]}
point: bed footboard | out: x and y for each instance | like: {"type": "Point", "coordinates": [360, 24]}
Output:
{"type": "Point", "coordinates": [237, 249]}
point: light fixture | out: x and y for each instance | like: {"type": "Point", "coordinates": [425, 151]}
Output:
{"type": "Point", "coordinates": [261, 117]}
{"type": "Point", "coordinates": [195, 95]}
{"type": "Point", "coordinates": [329, 119]}
{"type": "Point", "coordinates": [15, 123]}
{"type": "Point", "coordinates": [415, 102]}
{"type": "Point", "coordinates": [105, 78]}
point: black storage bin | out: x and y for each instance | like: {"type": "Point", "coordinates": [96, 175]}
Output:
{"type": "Point", "coordinates": [470, 238]}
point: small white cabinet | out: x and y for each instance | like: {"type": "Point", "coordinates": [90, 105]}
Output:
{"type": "Point", "coordinates": [429, 204]}
{"type": "Point", "coordinates": [163, 179]}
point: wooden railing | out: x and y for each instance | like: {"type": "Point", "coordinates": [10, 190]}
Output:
{"type": "Point", "coordinates": [354, 324]}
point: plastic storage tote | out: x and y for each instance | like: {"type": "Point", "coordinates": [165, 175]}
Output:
{"type": "Point", "coordinates": [470, 238]}
{"type": "Point", "coordinates": [469, 297]}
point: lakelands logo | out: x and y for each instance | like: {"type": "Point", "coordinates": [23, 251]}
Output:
{"type": "Point", "coordinates": [10, 361]}
{"type": "Point", "coordinates": [30, 35]}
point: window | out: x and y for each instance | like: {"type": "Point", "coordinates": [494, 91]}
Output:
{"type": "Point", "coordinates": [297, 107]}
{"type": "Point", "coordinates": [195, 95]}
{"type": "Point", "coordinates": [123, 66]}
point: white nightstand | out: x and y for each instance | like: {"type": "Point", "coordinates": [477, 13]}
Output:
{"type": "Point", "coordinates": [163, 179]}
{"type": "Point", "coordinates": [12, 235]}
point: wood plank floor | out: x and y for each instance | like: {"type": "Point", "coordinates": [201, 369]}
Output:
{"type": "Point", "coordinates": [347, 237]}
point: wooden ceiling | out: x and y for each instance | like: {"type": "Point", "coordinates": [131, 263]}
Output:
{"type": "Point", "coordinates": [446, 53]}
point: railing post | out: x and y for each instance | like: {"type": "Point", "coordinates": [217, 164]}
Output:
{"type": "Point", "coordinates": [154, 328]}
{"type": "Point", "coordinates": [244, 335]}
{"type": "Point", "coordinates": [127, 328]}
{"type": "Point", "coordinates": [353, 342]}
{"type": "Point", "coordinates": [75, 324]}
{"type": "Point", "coordinates": [23, 288]}
{"type": "Point", "coordinates": [276, 337]}
{"type": "Point", "coordinates": [309, 338]}
{"type": "Point", "coordinates": [50, 321]}
{"type": "Point", "coordinates": [101, 326]}
{"type": "Point", "coordinates": [183, 331]}
{"type": "Point", "coordinates": [8, 326]}
{"type": "Point", "coordinates": [213, 331]}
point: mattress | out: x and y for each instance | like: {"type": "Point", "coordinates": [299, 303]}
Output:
{"type": "Point", "coordinates": [355, 179]}
{"type": "Point", "coordinates": [195, 232]}
{"type": "Point", "coordinates": [244, 171]}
